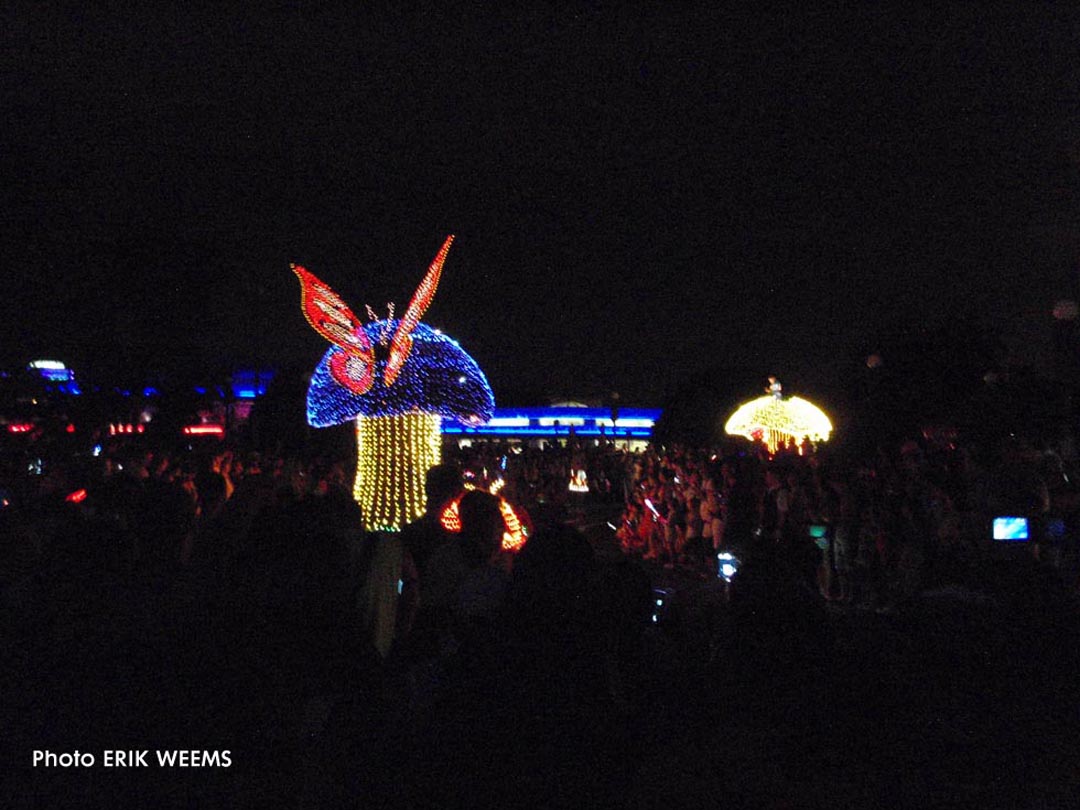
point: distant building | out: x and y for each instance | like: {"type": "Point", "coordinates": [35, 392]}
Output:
{"type": "Point", "coordinates": [632, 428]}
{"type": "Point", "coordinates": [56, 373]}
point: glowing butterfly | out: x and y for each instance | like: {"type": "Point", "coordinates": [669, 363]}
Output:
{"type": "Point", "coordinates": [353, 365]}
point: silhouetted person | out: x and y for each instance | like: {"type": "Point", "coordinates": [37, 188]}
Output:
{"type": "Point", "coordinates": [459, 574]}
{"type": "Point", "coordinates": [424, 535]}
{"type": "Point", "coordinates": [420, 539]}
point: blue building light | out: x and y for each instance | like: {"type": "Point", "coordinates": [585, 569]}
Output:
{"type": "Point", "coordinates": [250, 383]}
{"type": "Point", "coordinates": [52, 370]}
{"type": "Point", "coordinates": [634, 423]}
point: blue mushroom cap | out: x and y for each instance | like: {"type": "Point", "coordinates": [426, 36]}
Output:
{"type": "Point", "coordinates": [438, 377]}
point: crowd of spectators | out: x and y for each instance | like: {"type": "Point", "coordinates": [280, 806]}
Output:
{"type": "Point", "coordinates": [232, 600]}
{"type": "Point", "coordinates": [872, 530]}
{"type": "Point", "coordinates": [869, 530]}
{"type": "Point", "coordinates": [158, 598]}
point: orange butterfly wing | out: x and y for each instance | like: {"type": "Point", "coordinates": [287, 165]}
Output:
{"type": "Point", "coordinates": [354, 365]}
{"type": "Point", "coordinates": [401, 344]}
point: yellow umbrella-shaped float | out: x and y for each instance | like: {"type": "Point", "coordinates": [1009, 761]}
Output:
{"type": "Point", "coordinates": [775, 421]}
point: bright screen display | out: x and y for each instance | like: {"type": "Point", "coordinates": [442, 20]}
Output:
{"type": "Point", "coordinates": [1011, 529]}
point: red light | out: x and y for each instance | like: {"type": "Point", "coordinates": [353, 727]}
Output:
{"type": "Point", "coordinates": [70, 428]}
{"type": "Point", "coordinates": [450, 519]}
{"type": "Point", "coordinates": [401, 345]}
{"type": "Point", "coordinates": [205, 430]}
{"type": "Point", "coordinates": [78, 496]}
{"type": "Point", "coordinates": [514, 537]}
{"type": "Point", "coordinates": [121, 428]}
{"type": "Point", "coordinates": [328, 314]}
{"type": "Point", "coordinates": [20, 427]}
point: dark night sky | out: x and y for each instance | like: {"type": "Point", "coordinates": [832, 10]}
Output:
{"type": "Point", "coordinates": [638, 194]}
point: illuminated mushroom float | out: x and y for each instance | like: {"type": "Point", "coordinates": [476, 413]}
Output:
{"type": "Point", "coordinates": [396, 378]}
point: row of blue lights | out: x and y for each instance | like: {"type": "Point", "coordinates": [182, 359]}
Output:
{"type": "Point", "coordinates": [245, 383]}
{"type": "Point", "coordinates": [560, 421]}
{"type": "Point", "coordinates": [572, 412]}
{"type": "Point", "coordinates": [73, 389]}
{"type": "Point", "coordinates": [551, 431]}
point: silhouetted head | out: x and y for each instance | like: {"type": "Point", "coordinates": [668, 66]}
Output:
{"type": "Point", "coordinates": [482, 526]}
{"type": "Point", "coordinates": [441, 483]}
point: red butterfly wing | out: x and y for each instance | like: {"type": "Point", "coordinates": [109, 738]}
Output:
{"type": "Point", "coordinates": [353, 366]}
{"type": "Point", "coordinates": [401, 344]}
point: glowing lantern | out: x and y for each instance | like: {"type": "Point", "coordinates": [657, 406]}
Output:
{"type": "Point", "coordinates": [517, 526]}
{"type": "Point", "coordinates": [579, 481]}
{"type": "Point", "coordinates": [397, 378]}
{"type": "Point", "coordinates": [775, 421]}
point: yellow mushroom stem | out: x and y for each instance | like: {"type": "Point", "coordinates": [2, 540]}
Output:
{"type": "Point", "coordinates": [394, 454]}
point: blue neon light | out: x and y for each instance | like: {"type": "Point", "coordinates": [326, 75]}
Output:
{"type": "Point", "coordinates": [55, 374]}
{"type": "Point", "coordinates": [586, 422]}
{"type": "Point", "coordinates": [250, 383]}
